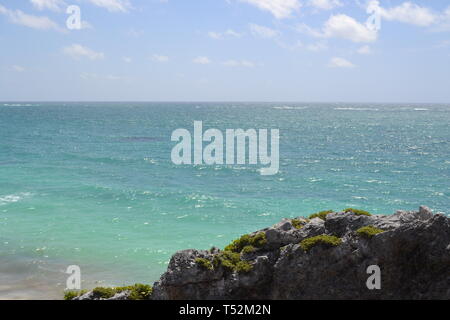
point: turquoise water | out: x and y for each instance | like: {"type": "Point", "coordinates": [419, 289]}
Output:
{"type": "Point", "coordinates": [92, 184]}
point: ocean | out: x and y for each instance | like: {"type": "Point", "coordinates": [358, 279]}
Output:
{"type": "Point", "coordinates": [93, 184]}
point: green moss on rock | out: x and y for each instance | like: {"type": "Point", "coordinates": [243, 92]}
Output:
{"type": "Point", "coordinates": [257, 241]}
{"type": "Point", "coordinates": [137, 291]}
{"type": "Point", "coordinates": [248, 249]}
{"type": "Point", "coordinates": [330, 241]}
{"type": "Point", "coordinates": [243, 267]}
{"type": "Point", "coordinates": [368, 231]}
{"type": "Point", "coordinates": [358, 212]}
{"type": "Point", "coordinates": [72, 294]}
{"type": "Point", "coordinates": [204, 263]}
{"type": "Point", "coordinates": [298, 223]}
{"type": "Point", "coordinates": [103, 293]}
{"type": "Point", "coordinates": [231, 261]}
{"type": "Point", "coordinates": [226, 259]}
{"type": "Point", "coordinates": [322, 214]}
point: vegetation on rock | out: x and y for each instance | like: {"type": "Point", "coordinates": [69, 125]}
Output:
{"type": "Point", "coordinates": [139, 291]}
{"type": "Point", "coordinates": [230, 257]}
{"type": "Point", "coordinates": [231, 261]}
{"type": "Point", "coordinates": [298, 223]}
{"type": "Point", "coordinates": [256, 241]}
{"type": "Point", "coordinates": [136, 292]}
{"type": "Point", "coordinates": [358, 212]}
{"type": "Point", "coordinates": [204, 263]}
{"type": "Point", "coordinates": [368, 231]}
{"type": "Point", "coordinates": [71, 294]}
{"type": "Point", "coordinates": [330, 241]}
{"type": "Point", "coordinates": [248, 249]}
{"type": "Point", "coordinates": [322, 214]}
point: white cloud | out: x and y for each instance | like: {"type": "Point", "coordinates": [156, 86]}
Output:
{"type": "Point", "coordinates": [325, 4]}
{"type": "Point", "coordinates": [77, 51]}
{"type": "Point", "coordinates": [214, 35]}
{"type": "Point", "coordinates": [279, 8]}
{"type": "Point", "coordinates": [160, 58]}
{"type": "Point", "coordinates": [237, 63]}
{"type": "Point", "coordinates": [202, 60]}
{"type": "Point", "coordinates": [113, 5]}
{"type": "Point", "coordinates": [18, 68]}
{"type": "Point", "coordinates": [221, 35]}
{"type": "Point", "coordinates": [127, 59]}
{"type": "Point", "coordinates": [27, 20]}
{"type": "Point", "coordinates": [414, 14]}
{"type": "Point", "coordinates": [54, 5]}
{"type": "Point", "coordinates": [232, 33]}
{"type": "Point", "coordinates": [364, 50]}
{"type": "Point", "coordinates": [261, 31]}
{"type": "Point", "coordinates": [340, 63]}
{"type": "Point", "coordinates": [343, 27]}
{"type": "Point", "coordinates": [407, 12]}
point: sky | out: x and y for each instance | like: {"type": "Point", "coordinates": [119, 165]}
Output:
{"type": "Point", "coordinates": [226, 50]}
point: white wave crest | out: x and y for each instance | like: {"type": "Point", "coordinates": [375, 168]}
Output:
{"type": "Point", "coordinates": [11, 198]}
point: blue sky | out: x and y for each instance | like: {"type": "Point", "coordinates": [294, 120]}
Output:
{"type": "Point", "coordinates": [226, 50]}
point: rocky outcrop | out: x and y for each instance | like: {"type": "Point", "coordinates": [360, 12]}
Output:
{"type": "Point", "coordinates": [413, 254]}
{"type": "Point", "coordinates": [321, 259]}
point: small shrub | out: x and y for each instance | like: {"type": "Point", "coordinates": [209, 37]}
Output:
{"type": "Point", "coordinates": [257, 241]}
{"type": "Point", "coordinates": [139, 291]}
{"type": "Point", "coordinates": [103, 293]}
{"type": "Point", "coordinates": [248, 249]}
{"type": "Point", "coordinates": [230, 257]}
{"type": "Point", "coordinates": [204, 263]}
{"type": "Point", "coordinates": [231, 261]}
{"type": "Point", "coordinates": [358, 212]}
{"type": "Point", "coordinates": [322, 214]}
{"type": "Point", "coordinates": [72, 294]}
{"type": "Point", "coordinates": [368, 231]}
{"type": "Point", "coordinates": [243, 267]}
{"type": "Point", "coordinates": [329, 241]}
{"type": "Point", "coordinates": [298, 224]}
{"type": "Point", "coordinates": [226, 259]}
{"type": "Point", "coordinates": [136, 292]}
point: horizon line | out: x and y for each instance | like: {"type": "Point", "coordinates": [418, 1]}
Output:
{"type": "Point", "coordinates": [213, 101]}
